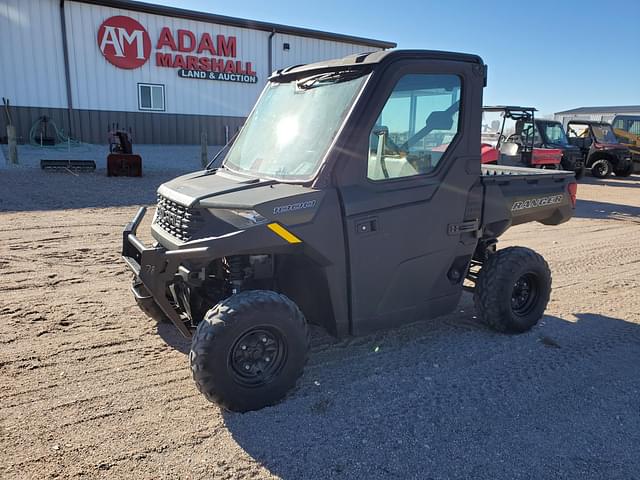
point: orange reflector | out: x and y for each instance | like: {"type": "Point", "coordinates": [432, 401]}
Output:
{"type": "Point", "coordinates": [283, 233]}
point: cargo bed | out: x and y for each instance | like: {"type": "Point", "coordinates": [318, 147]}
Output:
{"type": "Point", "coordinates": [515, 195]}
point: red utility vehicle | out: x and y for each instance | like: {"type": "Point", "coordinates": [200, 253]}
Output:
{"type": "Point", "coordinates": [508, 138]}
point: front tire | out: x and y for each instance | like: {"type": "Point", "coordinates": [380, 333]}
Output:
{"type": "Point", "coordinates": [601, 168]}
{"type": "Point", "coordinates": [512, 290]}
{"type": "Point", "coordinates": [249, 350]}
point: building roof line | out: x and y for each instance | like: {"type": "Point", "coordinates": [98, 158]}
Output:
{"type": "Point", "coordinates": [238, 22]}
{"type": "Point", "coordinates": [605, 109]}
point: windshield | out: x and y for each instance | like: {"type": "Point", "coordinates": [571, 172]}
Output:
{"type": "Point", "coordinates": [291, 128]}
{"type": "Point", "coordinates": [554, 133]}
{"type": "Point", "coordinates": [604, 133]}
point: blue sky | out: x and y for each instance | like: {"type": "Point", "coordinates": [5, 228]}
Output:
{"type": "Point", "coordinates": [553, 55]}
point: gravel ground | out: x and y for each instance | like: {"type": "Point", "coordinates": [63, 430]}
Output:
{"type": "Point", "coordinates": [91, 388]}
{"type": "Point", "coordinates": [39, 190]}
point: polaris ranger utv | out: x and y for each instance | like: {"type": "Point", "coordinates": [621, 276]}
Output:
{"type": "Point", "coordinates": [353, 198]}
{"type": "Point", "coordinates": [508, 139]}
{"type": "Point", "coordinates": [602, 152]}
{"type": "Point", "coordinates": [550, 134]}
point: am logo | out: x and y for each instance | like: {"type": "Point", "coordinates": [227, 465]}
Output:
{"type": "Point", "coordinates": [124, 42]}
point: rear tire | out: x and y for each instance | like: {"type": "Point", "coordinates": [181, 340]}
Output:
{"type": "Point", "coordinates": [512, 290]}
{"type": "Point", "coordinates": [601, 168]}
{"type": "Point", "coordinates": [580, 173]}
{"type": "Point", "coordinates": [249, 350]}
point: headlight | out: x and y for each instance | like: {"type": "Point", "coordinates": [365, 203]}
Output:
{"type": "Point", "coordinates": [239, 218]}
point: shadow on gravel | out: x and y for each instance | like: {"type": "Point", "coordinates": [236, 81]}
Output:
{"type": "Point", "coordinates": [604, 210]}
{"type": "Point", "coordinates": [629, 182]}
{"type": "Point", "coordinates": [450, 399]}
{"type": "Point", "coordinates": [172, 337]}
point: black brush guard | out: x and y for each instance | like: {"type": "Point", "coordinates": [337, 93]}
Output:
{"type": "Point", "coordinates": [155, 268]}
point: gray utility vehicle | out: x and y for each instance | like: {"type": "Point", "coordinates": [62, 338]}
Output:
{"type": "Point", "coordinates": [551, 134]}
{"type": "Point", "coordinates": [354, 199]}
{"type": "Point", "coordinates": [602, 152]}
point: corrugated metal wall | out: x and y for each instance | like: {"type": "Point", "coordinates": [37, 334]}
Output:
{"type": "Point", "coordinates": [98, 85]}
{"type": "Point", "coordinates": [309, 50]}
{"type": "Point", "coordinates": [92, 125]}
{"type": "Point", "coordinates": [32, 73]}
{"type": "Point", "coordinates": [595, 117]}
{"type": "Point", "coordinates": [31, 55]}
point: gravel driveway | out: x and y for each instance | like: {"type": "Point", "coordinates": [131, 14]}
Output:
{"type": "Point", "coordinates": [90, 388]}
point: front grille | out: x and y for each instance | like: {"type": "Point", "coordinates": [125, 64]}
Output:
{"type": "Point", "coordinates": [177, 220]}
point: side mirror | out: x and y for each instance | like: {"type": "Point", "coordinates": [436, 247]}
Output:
{"type": "Point", "coordinates": [439, 121]}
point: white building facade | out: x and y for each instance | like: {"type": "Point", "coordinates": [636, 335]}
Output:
{"type": "Point", "coordinates": [597, 114]}
{"type": "Point", "coordinates": [168, 74]}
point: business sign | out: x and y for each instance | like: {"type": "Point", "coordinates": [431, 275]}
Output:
{"type": "Point", "coordinates": [126, 44]}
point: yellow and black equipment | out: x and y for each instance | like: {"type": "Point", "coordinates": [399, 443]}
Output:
{"type": "Point", "coordinates": [627, 130]}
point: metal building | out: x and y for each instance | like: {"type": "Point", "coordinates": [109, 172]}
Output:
{"type": "Point", "coordinates": [598, 114]}
{"type": "Point", "coordinates": [167, 73]}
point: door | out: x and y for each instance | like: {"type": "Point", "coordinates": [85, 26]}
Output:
{"type": "Point", "coordinates": [411, 216]}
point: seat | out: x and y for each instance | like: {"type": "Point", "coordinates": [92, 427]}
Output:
{"type": "Point", "coordinates": [509, 148]}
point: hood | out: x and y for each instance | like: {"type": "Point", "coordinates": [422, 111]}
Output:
{"type": "Point", "coordinates": [223, 189]}
{"type": "Point", "coordinates": [618, 147]}
{"type": "Point", "coordinates": [202, 204]}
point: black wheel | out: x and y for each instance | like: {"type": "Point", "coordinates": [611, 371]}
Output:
{"type": "Point", "coordinates": [580, 173]}
{"type": "Point", "coordinates": [624, 172]}
{"type": "Point", "coordinates": [249, 350]}
{"type": "Point", "coordinates": [512, 290]}
{"type": "Point", "coordinates": [601, 168]}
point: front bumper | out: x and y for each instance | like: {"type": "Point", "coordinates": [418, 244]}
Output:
{"type": "Point", "coordinates": [159, 270]}
{"type": "Point", "coordinates": [155, 268]}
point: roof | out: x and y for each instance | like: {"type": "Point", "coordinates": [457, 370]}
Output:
{"type": "Point", "coordinates": [367, 60]}
{"type": "Point", "coordinates": [238, 22]}
{"type": "Point", "coordinates": [504, 108]}
{"type": "Point", "coordinates": [587, 122]}
{"type": "Point", "coordinates": [596, 110]}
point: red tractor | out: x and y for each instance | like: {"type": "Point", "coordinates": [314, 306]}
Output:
{"type": "Point", "coordinates": [509, 136]}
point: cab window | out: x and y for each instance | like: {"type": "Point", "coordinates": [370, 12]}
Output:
{"type": "Point", "coordinates": [416, 126]}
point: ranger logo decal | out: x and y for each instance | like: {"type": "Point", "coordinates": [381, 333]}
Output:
{"type": "Point", "coordinates": [536, 202]}
{"type": "Point", "coordinates": [294, 206]}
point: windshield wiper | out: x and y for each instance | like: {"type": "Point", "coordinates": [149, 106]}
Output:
{"type": "Point", "coordinates": [329, 78]}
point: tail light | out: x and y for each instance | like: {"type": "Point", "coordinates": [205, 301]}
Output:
{"type": "Point", "coordinates": [573, 193]}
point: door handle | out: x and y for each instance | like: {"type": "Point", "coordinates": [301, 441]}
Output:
{"type": "Point", "coordinates": [368, 225]}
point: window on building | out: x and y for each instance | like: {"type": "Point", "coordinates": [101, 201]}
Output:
{"type": "Point", "coordinates": [415, 127]}
{"type": "Point", "coordinates": [150, 97]}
